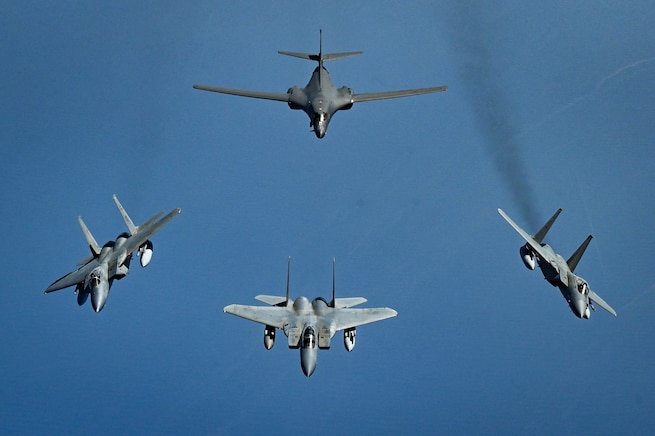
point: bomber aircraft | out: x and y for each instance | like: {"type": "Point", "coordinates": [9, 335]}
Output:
{"type": "Point", "coordinates": [111, 261]}
{"type": "Point", "coordinates": [557, 271]}
{"type": "Point", "coordinates": [320, 99]}
{"type": "Point", "coordinates": [310, 325]}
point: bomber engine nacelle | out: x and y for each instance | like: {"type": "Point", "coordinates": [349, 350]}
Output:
{"type": "Point", "coordinates": [349, 338]}
{"type": "Point", "coordinates": [297, 98]}
{"type": "Point", "coordinates": [145, 252]}
{"type": "Point", "coordinates": [269, 337]}
{"type": "Point", "coordinates": [527, 257]}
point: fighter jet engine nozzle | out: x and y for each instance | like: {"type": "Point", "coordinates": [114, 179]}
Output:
{"type": "Point", "coordinates": [145, 252]}
{"type": "Point", "coordinates": [349, 336]}
{"type": "Point", "coordinates": [528, 257]}
{"type": "Point", "coordinates": [269, 337]}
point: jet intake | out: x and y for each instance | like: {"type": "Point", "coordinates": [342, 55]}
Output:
{"type": "Point", "coordinates": [269, 337]}
{"type": "Point", "coordinates": [527, 257]}
{"type": "Point", "coordinates": [349, 338]}
{"type": "Point", "coordinates": [145, 252]}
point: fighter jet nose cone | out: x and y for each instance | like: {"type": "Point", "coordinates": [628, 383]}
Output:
{"type": "Point", "coordinates": [580, 308]}
{"type": "Point", "coordinates": [308, 371]}
{"type": "Point", "coordinates": [97, 302]}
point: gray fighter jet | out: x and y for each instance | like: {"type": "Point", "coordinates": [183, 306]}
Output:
{"type": "Point", "coordinates": [309, 325]}
{"type": "Point", "coordinates": [111, 261]}
{"type": "Point", "coordinates": [320, 99]}
{"type": "Point", "coordinates": [557, 271]}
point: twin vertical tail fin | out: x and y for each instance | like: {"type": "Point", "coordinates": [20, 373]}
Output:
{"type": "Point", "coordinates": [539, 236]}
{"type": "Point", "coordinates": [320, 57]}
{"type": "Point", "coordinates": [286, 303]}
{"type": "Point", "coordinates": [128, 221]}
{"type": "Point", "coordinates": [575, 257]}
{"type": "Point", "coordinates": [334, 298]}
{"type": "Point", "coordinates": [93, 244]}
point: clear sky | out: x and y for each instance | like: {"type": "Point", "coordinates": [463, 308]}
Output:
{"type": "Point", "coordinates": [548, 106]}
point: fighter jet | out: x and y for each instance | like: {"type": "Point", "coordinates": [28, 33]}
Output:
{"type": "Point", "coordinates": [557, 271]}
{"type": "Point", "coordinates": [320, 99]}
{"type": "Point", "coordinates": [111, 261]}
{"type": "Point", "coordinates": [310, 325]}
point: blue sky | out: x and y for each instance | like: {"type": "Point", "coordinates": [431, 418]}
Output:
{"type": "Point", "coordinates": [548, 106]}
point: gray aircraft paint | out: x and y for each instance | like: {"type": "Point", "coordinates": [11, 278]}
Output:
{"type": "Point", "coordinates": [309, 326]}
{"type": "Point", "coordinates": [320, 99]}
{"type": "Point", "coordinates": [111, 261]}
{"type": "Point", "coordinates": [557, 271]}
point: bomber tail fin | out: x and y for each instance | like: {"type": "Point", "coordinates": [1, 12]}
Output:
{"type": "Point", "coordinates": [575, 257]}
{"type": "Point", "coordinates": [320, 57]}
{"type": "Point", "coordinates": [539, 236]}
{"type": "Point", "coordinates": [93, 245]}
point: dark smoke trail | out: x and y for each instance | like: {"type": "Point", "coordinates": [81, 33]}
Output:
{"type": "Point", "coordinates": [492, 110]}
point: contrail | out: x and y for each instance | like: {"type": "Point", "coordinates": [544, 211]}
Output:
{"type": "Point", "coordinates": [492, 109]}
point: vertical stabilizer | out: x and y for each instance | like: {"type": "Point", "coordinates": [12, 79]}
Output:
{"type": "Point", "coordinates": [334, 298]}
{"type": "Point", "coordinates": [130, 225]}
{"type": "Point", "coordinates": [539, 236]}
{"type": "Point", "coordinates": [575, 257]}
{"type": "Point", "coordinates": [288, 275]}
{"type": "Point", "coordinates": [93, 245]}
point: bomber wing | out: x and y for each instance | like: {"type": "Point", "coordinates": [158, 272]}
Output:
{"type": "Point", "coordinates": [348, 318]}
{"type": "Point", "coordinates": [395, 94]}
{"type": "Point", "coordinates": [534, 244]}
{"type": "Point", "coordinates": [273, 316]}
{"type": "Point", "coordinates": [145, 231]}
{"type": "Point", "coordinates": [72, 278]}
{"type": "Point", "coordinates": [278, 96]}
{"type": "Point", "coordinates": [596, 299]}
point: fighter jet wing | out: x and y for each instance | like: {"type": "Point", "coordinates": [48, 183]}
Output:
{"type": "Point", "coordinates": [536, 246]}
{"type": "Point", "coordinates": [244, 93]}
{"type": "Point", "coordinates": [146, 230]}
{"type": "Point", "coordinates": [273, 316]}
{"type": "Point", "coordinates": [72, 278]}
{"type": "Point", "coordinates": [395, 94]}
{"type": "Point", "coordinates": [347, 318]}
{"type": "Point", "coordinates": [596, 299]}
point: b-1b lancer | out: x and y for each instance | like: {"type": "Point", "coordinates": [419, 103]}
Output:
{"type": "Point", "coordinates": [557, 271]}
{"type": "Point", "coordinates": [310, 325]}
{"type": "Point", "coordinates": [111, 261]}
{"type": "Point", "coordinates": [320, 99]}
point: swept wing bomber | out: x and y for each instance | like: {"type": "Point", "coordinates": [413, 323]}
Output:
{"type": "Point", "coordinates": [557, 271]}
{"type": "Point", "coordinates": [310, 326]}
{"type": "Point", "coordinates": [111, 261]}
{"type": "Point", "coordinates": [320, 99]}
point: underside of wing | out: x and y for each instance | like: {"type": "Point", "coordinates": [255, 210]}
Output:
{"type": "Point", "coordinates": [395, 94]}
{"type": "Point", "coordinates": [348, 318]}
{"type": "Point", "coordinates": [596, 299]}
{"type": "Point", "coordinates": [273, 316]}
{"type": "Point", "coordinates": [72, 278]}
{"type": "Point", "coordinates": [536, 246]}
{"type": "Point", "coordinates": [277, 96]}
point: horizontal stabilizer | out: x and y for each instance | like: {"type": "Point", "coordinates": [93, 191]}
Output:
{"type": "Point", "coordinates": [320, 57]}
{"type": "Point", "coordinates": [272, 300]}
{"type": "Point", "coordinates": [343, 303]}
